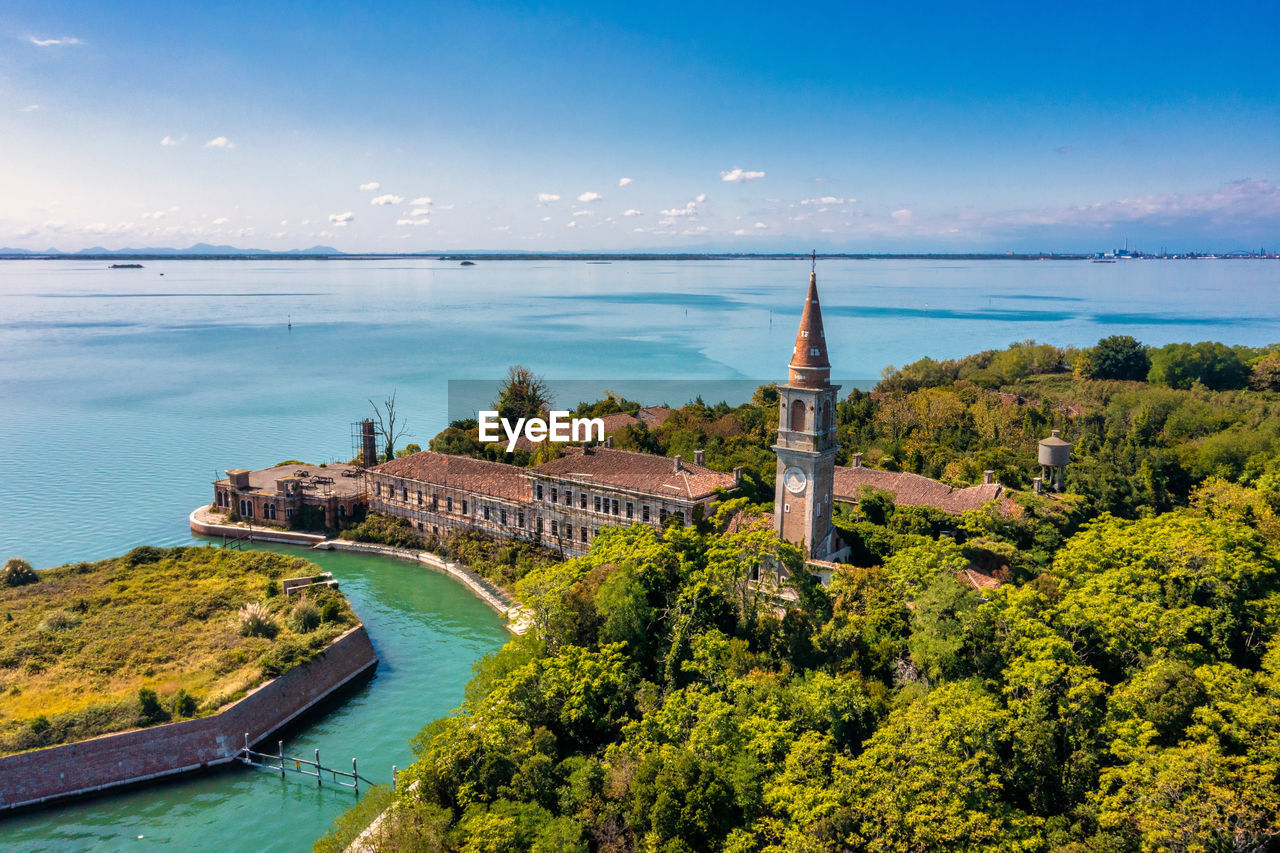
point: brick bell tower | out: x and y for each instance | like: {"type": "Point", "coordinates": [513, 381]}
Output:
{"type": "Point", "coordinates": [806, 447]}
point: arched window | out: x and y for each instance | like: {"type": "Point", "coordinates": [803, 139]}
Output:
{"type": "Point", "coordinates": [797, 416]}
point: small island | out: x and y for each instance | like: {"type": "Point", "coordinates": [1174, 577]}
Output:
{"type": "Point", "coordinates": [125, 266]}
{"type": "Point", "coordinates": [213, 642]}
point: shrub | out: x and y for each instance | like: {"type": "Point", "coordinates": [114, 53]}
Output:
{"type": "Point", "coordinates": [150, 711]}
{"type": "Point", "coordinates": [58, 620]}
{"type": "Point", "coordinates": [256, 621]}
{"type": "Point", "coordinates": [331, 611]}
{"type": "Point", "coordinates": [184, 704]}
{"type": "Point", "coordinates": [273, 588]}
{"type": "Point", "coordinates": [305, 616]}
{"type": "Point", "coordinates": [17, 572]}
{"type": "Point", "coordinates": [144, 554]}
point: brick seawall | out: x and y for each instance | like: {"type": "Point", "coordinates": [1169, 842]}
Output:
{"type": "Point", "coordinates": [56, 772]}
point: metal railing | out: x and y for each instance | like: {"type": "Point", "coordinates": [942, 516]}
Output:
{"type": "Point", "coordinates": [283, 764]}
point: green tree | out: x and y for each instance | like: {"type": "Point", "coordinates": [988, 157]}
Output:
{"type": "Point", "coordinates": [1118, 357]}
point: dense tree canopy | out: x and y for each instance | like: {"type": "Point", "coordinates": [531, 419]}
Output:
{"type": "Point", "coordinates": [1119, 692]}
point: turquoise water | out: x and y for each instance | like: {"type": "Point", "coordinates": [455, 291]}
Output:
{"type": "Point", "coordinates": [123, 393]}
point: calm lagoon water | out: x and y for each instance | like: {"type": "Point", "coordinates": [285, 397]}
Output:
{"type": "Point", "coordinates": [123, 393]}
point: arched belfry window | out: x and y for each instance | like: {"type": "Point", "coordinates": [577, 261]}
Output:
{"type": "Point", "coordinates": [797, 416]}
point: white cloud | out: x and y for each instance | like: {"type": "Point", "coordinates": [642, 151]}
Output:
{"type": "Point", "coordinates": [583, 213]}
{"type": "Point", "coordinates": [341, 219]}
{"type": "Point", "coordinates": [572, 224]}
{"type": "Point", "coordinates": [284, 222]}
{"type": "Point", "coordinates": [737, 176]}
{"type": "Point", "coordinates": [29, 108]}
{"type": "Point", "coordinates": [690, 209]}
{"type": "Point", "coordinates": [154, 214]}
{"type": "Point", "coordinates": [422, 201]}
{"type": "Point", "coordinates": [444, 207]}
{"type": "Point", "coordinates": [632, 212]}
{"type": "Point", "coordinates": [387, 199]}
{"type": "Point", "coordinates": [502, 228]}
{"type": "Point", "coordinates": [413, 222]}
{"type": "Point", "coordinates": [169, 142]}
{"type": "Point", "coordinates": [305, 222]}
{"type": "Point", "coordinates": [622, 182]}
{"type": "Point", "coordinates": [589, 197]}
{"type": "Point", "coordinates": [371, 187]}
{"type": "Point", "coordinates": [219, 142]}
{"type": "Point", "coordinates": [221, 220]}
{"type": "Point", "coordinates": [902, 217]}
{"type": "Point", "coordinates": [761, 225]}
{"type": "Point", "coordinates": [547, 198]}
{"type": "Point", "coordinates": [545, 219]}
{"type": "Point", "coordinates": [65, 41]}
{"type": "Point", "coordinates": [739, 232]}
{"type": "Point", "coordinates": [828, 199]}
{"type": "Point", "coordinates": [420, 211]}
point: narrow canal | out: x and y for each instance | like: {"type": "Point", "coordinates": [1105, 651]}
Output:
{"type": "Point", "coordinates": [428, 631]}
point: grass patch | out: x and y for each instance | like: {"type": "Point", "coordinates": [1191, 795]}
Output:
{"type": "Point", "coordinates": [152, 636]}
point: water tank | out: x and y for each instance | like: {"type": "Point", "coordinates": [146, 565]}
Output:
{"type": "Point", "coordinates": [1054, 451]}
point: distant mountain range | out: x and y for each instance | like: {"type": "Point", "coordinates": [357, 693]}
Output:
{"type": "Point", "coordinates": [198, 250]}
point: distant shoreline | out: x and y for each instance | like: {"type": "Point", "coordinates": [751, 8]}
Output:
{"type": "Point", "coordinates": [458, 257]}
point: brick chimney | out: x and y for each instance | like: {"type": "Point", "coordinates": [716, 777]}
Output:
{"type": "Point", "coordinates": [857, 460]}
{"type": "Point", "coordinates": [988, 477]}
{"type": "Point", "coordinates": [608, 441]}
{"type": "Point", "coordinates": [676, 466]}
{"type": "Point", "coordinates": [700, 457]}
{"type": "Point", "coordinates": [737, 476]}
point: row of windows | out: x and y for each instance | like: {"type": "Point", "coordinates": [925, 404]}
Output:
{"type": "Point", "coordinates": [601, 504]}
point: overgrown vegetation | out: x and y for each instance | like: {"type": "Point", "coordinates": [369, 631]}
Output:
{"type": "Point", "coordinates": [155, 635]}
{"type": "Point", "coordinates": [1125, 699]}
{"type": "Point", "coordinates": [502, 562]}
{"type": "Point", "coordinates": [1120, 692]}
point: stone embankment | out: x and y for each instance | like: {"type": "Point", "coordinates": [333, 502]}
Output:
{"type": "Point", "coordinates": [125, 758]}
{"type": "Point", "coordinates": [490, 593]}
{"type": "Point", "coordinates": [207, 523]}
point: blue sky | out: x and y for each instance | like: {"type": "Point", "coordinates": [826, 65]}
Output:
{"type": "Point", "coordinates": [751, 127]}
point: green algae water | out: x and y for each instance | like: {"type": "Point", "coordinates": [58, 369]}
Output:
{"type": "Point", "coordinates": [428, 631]}
{"type": "Point", "coordinates": [124, 393]}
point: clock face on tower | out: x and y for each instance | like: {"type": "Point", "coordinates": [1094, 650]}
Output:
{"type": "Point", "coordinates": [795, 480]}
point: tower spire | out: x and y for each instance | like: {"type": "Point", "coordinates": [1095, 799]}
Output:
{"type": "Point", "coordinates": [809, 367]}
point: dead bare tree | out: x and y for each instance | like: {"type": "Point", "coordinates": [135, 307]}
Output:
{"type": "Point", "coordinates": [387, 427]}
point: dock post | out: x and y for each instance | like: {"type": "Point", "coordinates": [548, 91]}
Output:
{"type": "Point", "coordinates": [355, 776]}
{"type": "Point", "coordinates": [245, 756]}
{"type": "Point", "coordinates": [393, 778]}
{"type": "Point", "coordinates": [318, 780]}
{"type": "Point", "coordinates": [280, 745]}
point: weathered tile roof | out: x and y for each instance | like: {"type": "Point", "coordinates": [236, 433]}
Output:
{"type": "Point", "coordinates": [461, 472]}
{"type": "Point", "coordinates": [639, 472]}
{"type": "Point", "coordinates": [654, 416]}
{"type": "Point", "coordinates": [913, 490]}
